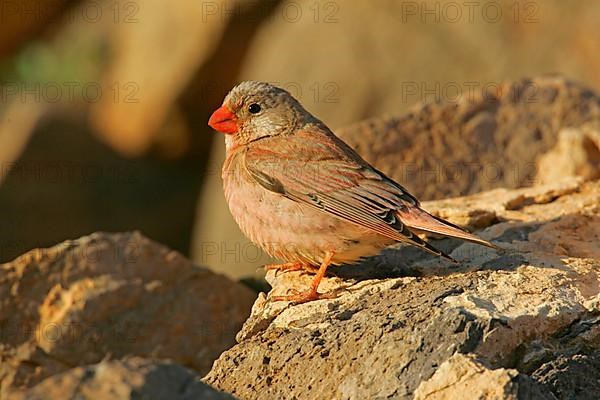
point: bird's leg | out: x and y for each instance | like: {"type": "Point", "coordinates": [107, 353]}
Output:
{"type": "Point", "coordinates": [312, 293]}
{"type": "Point", "coordinates": [291, 266]}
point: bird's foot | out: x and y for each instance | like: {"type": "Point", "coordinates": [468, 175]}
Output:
{"type": "Point", "coordinates": [299, 297]}
{"type": "Point", "coordinates": [311, 294]}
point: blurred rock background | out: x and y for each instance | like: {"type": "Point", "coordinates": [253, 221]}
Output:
{"type": "Point", "coordinates": [104, 103]}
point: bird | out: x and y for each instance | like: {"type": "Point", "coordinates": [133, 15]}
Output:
{"type": "Point", "coordinates": [305, 196]}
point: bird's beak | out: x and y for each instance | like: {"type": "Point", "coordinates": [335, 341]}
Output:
{"type": "Point", "coordinates": [223, 120]}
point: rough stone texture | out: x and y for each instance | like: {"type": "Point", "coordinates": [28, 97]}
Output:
{"type": "Point", "coordinates": [131, 378]}
{"type": "Point", "coordinates": [519, 307]}
{"type": "Point", "coordinates": [112, 295]}
{"type": "Point", "coordinates": [440, 150]}
{"type": "Point", "coordinates": [572, 376]}
{"type": "Point", "coordinates": [576, 153]}
{"type": "Point", "coordinates": [463, 375]}
{"type": "Point", "coordinates": [443, 150]}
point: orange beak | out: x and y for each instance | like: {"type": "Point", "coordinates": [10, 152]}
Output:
{"type": "Point", "coordinates": [223, 120]}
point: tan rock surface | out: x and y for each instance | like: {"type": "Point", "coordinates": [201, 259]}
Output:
{"type": "Point", "coordinates": [112, 295]}
{"type": "Point", "coordinates": [520, 307]}
{"type": "Point", "coordinates": [464, 377]}
{"type": "Point", "coordinates": [576, 153]}
{"type": "Point", "coordinates": [131, 378]}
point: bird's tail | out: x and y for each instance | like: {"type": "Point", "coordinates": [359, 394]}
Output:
{"type": "Point", "coordinates": [421, 221]}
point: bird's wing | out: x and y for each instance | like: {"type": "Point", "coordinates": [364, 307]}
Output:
{"type": "Point", "coordinates": [320, 171]}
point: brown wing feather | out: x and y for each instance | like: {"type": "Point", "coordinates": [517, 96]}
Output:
{"type": "Point", "coordinates": [420, 220]}
{"type": "Point", "coordinates": [319, 170]}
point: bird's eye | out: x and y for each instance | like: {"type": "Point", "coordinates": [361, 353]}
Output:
{"type": "Point", "coordinates": [254, 108]}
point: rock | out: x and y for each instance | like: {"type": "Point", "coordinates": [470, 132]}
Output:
{"type": "Point", "coordinates": [389, 335]}
{"type": "Point", "coordinates": [484, 209]}
{"type": "Point", "coordinates": [189, 32]}
{"type": "Point", "coordinates": [576, 153]}
{"type": "Point", "coordinates": [112, 295]}
{"type": "Point", "coordinates": [131, 378]}
{"type": "Point", "coordinates": [440, 150]}
{"type": "Point", "coordinates": [572, 376]}
{"type": "Point", "coordinates": [462, 374]}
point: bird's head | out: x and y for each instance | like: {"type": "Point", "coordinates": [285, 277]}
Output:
{"type": "Point", "coordinates": [254, 110]}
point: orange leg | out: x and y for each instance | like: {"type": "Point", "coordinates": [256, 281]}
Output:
{"type": "Point", "coordinates": [312, 293]}
{"type": "Point", "coordinates": [292, 266]}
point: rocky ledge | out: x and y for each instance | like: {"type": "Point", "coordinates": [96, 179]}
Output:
{"type": "Point", "coordinates": [76, 318]}
{"type": "Point", "coordinates": [118, 316]}
{"type": "Point", "coordinates": [522, 321]}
